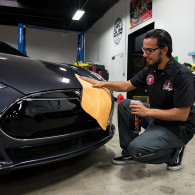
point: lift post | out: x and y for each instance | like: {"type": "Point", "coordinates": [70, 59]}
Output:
{"type": "Point", "coordinates": [22, 38]}
{"type": "Point", "coordinates": [80, 47]}
{"type": "Point", "coordinates": [22, 41]}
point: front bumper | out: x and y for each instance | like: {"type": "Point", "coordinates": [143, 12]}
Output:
{"type": "Point", "coordinates": [28, 153]}
{"type": "Point", "coordinates": [45, 128]}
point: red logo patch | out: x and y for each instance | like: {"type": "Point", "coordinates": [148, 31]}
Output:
{"type": "Point", "coordinates": [150, 79]}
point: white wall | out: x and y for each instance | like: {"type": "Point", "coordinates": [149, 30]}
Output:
{"type": "Point", "coordinates": [99, 44]}
{"type": "Point", "coordinates": [175, 16]}
{"type": "Point", "coordinates": [9, 34]}
{"type": "Point", "coordinates": [178, 19]}
{"type": "Point", "coordinates": [46, 45]}
{"type": "Point", "coordinates": [51, 45]}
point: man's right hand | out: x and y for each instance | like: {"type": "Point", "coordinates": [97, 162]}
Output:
{"type": "Point", "coordinates": [120, 86]}
{"type": "Point", "coordinates": [95, 83]}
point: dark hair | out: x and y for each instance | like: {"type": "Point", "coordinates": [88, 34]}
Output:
{"type": "Point", "coordinates": [163, 39]}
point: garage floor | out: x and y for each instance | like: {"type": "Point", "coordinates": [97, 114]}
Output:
{"type": "Point", "coordinates": [93, 174]}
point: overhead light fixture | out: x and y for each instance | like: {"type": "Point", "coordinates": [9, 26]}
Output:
{"type": "Point", "coordinates": [78, 14]}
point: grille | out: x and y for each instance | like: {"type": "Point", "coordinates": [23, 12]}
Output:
{"type": "Point", "coordinates": [62, 147]}
{"type": "Point", "coordinates": [66, 130]}
{"type": "Point", "coordinates": [45, 115]}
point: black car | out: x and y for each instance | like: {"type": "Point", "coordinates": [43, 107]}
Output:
{"type": "Point", "coordinates": [41, 118]}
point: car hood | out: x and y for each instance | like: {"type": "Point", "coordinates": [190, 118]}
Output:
{"type": "Point", "coordinates": [29, 75]}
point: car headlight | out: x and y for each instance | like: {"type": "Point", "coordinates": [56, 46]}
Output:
{"type": "Point", "coordinates": [97, 75]}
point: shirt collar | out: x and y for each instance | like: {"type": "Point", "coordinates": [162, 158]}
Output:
{"type": "Point", "coordinates": [169, 67]}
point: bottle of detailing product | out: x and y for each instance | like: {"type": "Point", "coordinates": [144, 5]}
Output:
{"type": "Point", "coordinates": [136, 120]}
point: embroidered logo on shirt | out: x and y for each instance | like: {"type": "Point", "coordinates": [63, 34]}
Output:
{"type": "Point", "coordinates": [150, 79]}
{"type": "Point", "coordinates": [168, 86]}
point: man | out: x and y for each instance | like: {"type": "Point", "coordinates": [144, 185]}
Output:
{"type": "Point", "coordinates": [169, 122]}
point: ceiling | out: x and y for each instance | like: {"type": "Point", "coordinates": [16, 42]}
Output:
{"type": "Point", "coordinates": [53, 13]}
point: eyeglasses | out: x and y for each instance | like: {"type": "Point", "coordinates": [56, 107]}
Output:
{"type": "Point", "coordinates": [149, 51]}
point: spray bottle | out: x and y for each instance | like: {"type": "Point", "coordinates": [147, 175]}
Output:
{"type": "Point", "coordinates": [136, 120]}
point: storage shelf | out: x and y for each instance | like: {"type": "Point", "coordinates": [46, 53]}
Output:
{"type": "Point", "coordinates": [191, 53]}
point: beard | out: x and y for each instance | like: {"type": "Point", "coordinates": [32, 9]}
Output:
{"type": "Point", "coordinates": [155, 65]}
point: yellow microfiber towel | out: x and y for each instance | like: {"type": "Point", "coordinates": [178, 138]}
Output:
{"type": "Point", "coordinates": [96, 102]}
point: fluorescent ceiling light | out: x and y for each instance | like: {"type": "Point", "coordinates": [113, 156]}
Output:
{"type": "Point", "coordinates": [78, 14]}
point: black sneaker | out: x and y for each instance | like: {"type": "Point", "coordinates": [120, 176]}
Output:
{"type": "Point", "coordinates": [178, 163]}
{"type": "Point", "coordinates": [121, 160]}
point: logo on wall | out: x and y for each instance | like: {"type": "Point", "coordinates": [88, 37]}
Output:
{"type": "Point", "coordinates": [118, 30]}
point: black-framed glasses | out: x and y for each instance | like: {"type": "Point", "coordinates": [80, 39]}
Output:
{"type": "Point", "coordinates": [149, 51]}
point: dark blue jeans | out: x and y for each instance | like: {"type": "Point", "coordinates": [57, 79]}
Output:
{"type": "Point", "coordinates": [156, 145]}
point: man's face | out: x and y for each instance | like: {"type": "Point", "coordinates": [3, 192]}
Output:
{"type": "Point", "coordinates": [153, 58]}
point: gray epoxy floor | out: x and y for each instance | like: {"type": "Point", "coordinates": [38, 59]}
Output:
{"type": "Point", "coordinates": [93, 174]}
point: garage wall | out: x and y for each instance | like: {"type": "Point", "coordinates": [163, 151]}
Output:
{"type": "Point", "coordinates": [44, 45]}
{"type": "Point", "coordinates": [175, 16]}
{"type": "Point", "coordinates": [51, 45]}
{"type": "Point", "coordinates": [9, 34]}
{"type": "Point", "coordinates": [99, 42]}
{"type": "Point", "coordinates": [178, 18]}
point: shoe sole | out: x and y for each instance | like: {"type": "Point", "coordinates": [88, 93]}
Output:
{"type": "Point", "coordinates": [124, 162]}
{"type": "Point", "coordinates": [172, 168]}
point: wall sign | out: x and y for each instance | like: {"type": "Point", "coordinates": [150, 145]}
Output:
{"type": "Point", "coordinates": [118, 30]}
{"type": "Point", "coordinates": [140, 11]}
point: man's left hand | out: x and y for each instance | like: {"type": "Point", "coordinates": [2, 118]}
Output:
{"type": "Point", "coordinates": [138, 109]}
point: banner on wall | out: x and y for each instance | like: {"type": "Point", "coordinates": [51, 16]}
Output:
{"type": "Point", "coordinates": [140, 11]}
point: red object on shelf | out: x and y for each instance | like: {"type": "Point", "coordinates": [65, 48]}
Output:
{"type": "Point", "coordinates": [93, 68]}
{"type": "Point", "coordinates": [100, 72]}
{"type": "Point", "coordinates": [120, 97]}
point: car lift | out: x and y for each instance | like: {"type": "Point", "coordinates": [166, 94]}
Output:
{"type": "Point", "coordinates": [80, 45]}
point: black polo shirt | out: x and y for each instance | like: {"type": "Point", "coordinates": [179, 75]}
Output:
{"type": "Point", "coordinates": [170, 88]}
